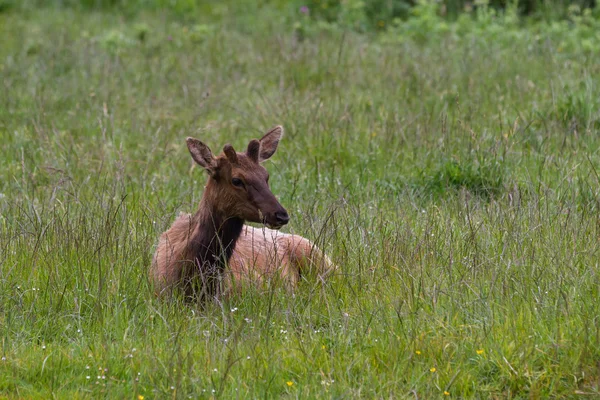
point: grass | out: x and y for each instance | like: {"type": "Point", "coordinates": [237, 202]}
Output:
{"type": "Point", "coordinates": [455, 183]}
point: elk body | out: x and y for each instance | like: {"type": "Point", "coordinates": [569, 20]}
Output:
{"type": "Point", "coordinates": [194, 253]}
{"type": "Point", "coordinates": [262, 254]}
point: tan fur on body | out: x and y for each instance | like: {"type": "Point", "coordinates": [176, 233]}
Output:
{"type": "Point", "coordinates": [260, 255]}
{"type": "Point", "coordinates": [170, 257]}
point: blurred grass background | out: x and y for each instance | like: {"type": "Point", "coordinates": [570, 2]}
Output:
{"type": "Point", "coordinates": [445, 155]}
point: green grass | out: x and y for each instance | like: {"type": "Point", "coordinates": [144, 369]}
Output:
{"type": "Point", "coordinates": [454, 181]}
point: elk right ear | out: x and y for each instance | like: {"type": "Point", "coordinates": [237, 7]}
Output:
{"type": "Point", "coordinates": [202, 155]}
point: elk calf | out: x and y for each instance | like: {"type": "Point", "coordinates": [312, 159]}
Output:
{"type": "Point", "coordinates": [195, 251]}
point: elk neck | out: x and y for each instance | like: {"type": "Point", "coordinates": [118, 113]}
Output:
{"type": "Point", "coordinates": [214, 235]}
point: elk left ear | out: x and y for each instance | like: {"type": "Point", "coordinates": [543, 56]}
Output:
{"type": "Point", "coordinates": [269, 143]}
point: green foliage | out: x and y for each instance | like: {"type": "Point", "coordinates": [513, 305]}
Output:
{"type": "Point", "coordinates": [578, 111]}
{"type": "Point", "coordinates": [484, 178]}
{"type": "Point", "coordinates": [176, 6]}
{"type": "Point", "coordinates": [6, 5]}
{"type": "Point", "coordinates": [115, 41]}
{"type": "Point", "coordinates": [486, 25]}
{"type": "Point", "coordinates": [359, 15]}
{"type": "Point", "coordinates": [381, 13]}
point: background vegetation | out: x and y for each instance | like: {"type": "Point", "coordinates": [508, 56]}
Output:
{"type": "Point", "coordinates": [447, 161]}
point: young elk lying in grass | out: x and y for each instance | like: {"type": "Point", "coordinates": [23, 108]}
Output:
{"type": "Point", "coordinates": [195, 251]}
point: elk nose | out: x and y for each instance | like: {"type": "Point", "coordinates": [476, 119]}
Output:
{"type": "Point", "coordinates": [282, 217]}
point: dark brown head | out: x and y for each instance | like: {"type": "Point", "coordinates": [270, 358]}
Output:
{"type": "Point", "coordinates": [239, 185]}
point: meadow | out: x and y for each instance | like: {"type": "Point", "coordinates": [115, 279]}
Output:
{"type": "Point", "coordinates": [449, 167]}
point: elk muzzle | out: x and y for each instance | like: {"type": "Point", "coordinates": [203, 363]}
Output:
{"type": "Point", "coordinates": [277, 219]}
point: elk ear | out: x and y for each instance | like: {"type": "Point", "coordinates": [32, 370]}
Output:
{"type": "Point", "coordinates": [202, 154]}
{"type": "Point", "coordinates": [269, 142]}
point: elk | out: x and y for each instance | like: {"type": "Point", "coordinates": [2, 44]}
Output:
{"type": "Point", "coordinates": [194, 253]}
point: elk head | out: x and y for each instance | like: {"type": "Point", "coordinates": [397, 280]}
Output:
{"type": "Point", "coordinates": [238, 185]}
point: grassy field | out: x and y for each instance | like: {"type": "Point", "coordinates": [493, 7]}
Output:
{"type": "Point", "coordinates": [453, 180]}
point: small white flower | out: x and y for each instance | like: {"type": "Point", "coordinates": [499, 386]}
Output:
{"type": "Point", "coordinates": [172, 387]}
{"type": "Point", "coordinates": [247, 358]}
{"type": "Point", "coordinates": [234, 309]}
{"type": "Point", "coordinates": [215, 370]}
{"type": "Point", "coordinates": [87, 377]}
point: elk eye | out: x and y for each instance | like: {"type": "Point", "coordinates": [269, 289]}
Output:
{"type": "Point", "coordinates": [237, 182]}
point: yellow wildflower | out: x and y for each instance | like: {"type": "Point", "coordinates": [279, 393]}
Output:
{"type": "Point", "coordinates": [432, 369]}
{"type": "Point", "coordinates": [418, 352]}
{"type": "Point", "coordinates": [480, 351]}
{"type": "Point", "coordinates": [446, 393]}
{"type": "Point", "coordinates": [140, 397]}
{"type": "Point", "coordinates": [290, 383]}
